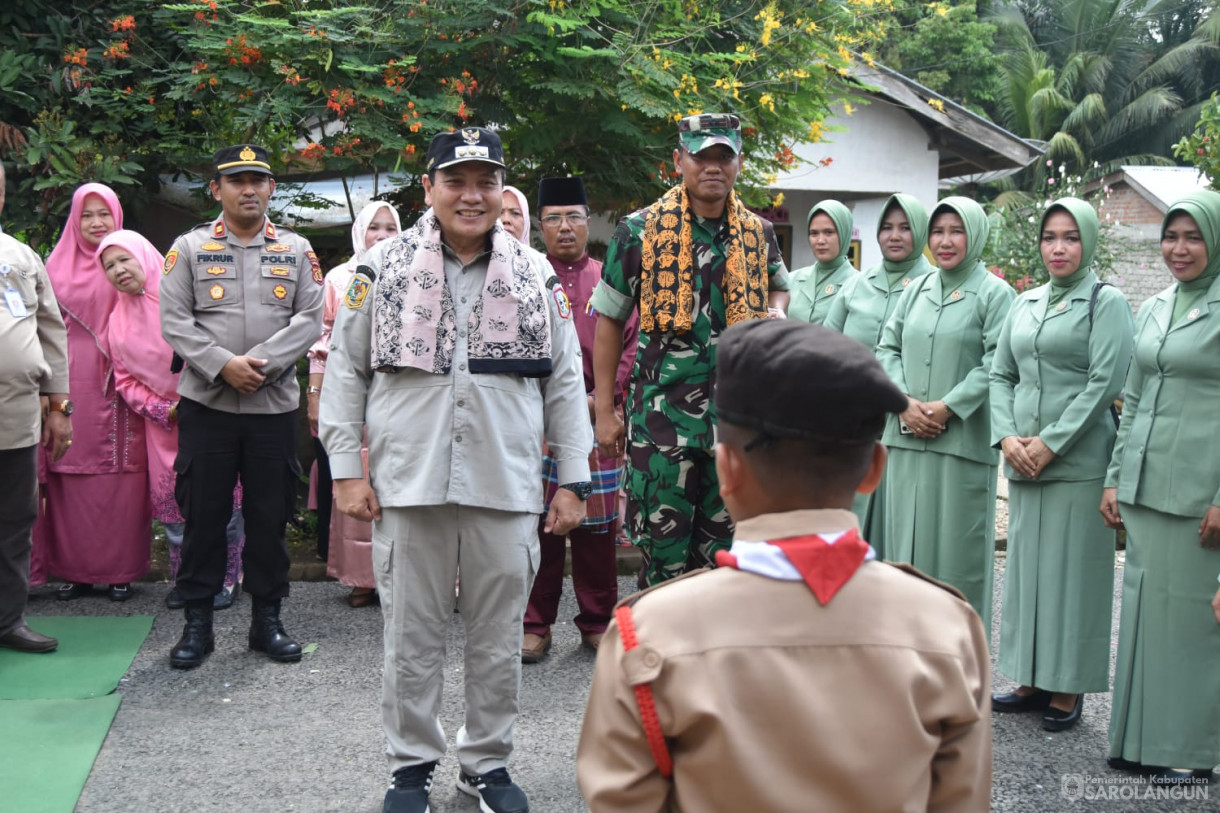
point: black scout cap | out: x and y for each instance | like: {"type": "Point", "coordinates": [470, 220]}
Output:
{"type": "Point", "coordinates": [561, 192]}
{"type": "Point", "coordinates": [241, 158]}
{"type": "Point", "coordinates": [466, 144]}
{"type": "Point", "coordinates": [788, 378]}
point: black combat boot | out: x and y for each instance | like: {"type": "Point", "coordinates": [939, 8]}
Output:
{"type": "Point", "coordinates": [196, 641]}
{"type": "Point", "coordinates": [267, 633]}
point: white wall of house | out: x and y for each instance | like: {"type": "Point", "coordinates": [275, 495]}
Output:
{"type": "Point", "coordinates": [880, 151]}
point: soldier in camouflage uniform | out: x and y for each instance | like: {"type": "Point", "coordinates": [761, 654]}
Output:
{"type": "Point", "coordinates": [694, 262]}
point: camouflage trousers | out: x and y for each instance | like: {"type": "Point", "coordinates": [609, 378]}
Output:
{"type": "Point", "coordinates": [674, 511]}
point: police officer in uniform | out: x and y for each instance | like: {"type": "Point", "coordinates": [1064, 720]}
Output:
{"type": "Point", "coordinates": [241, 301]}
{"type": "Point", "coordinates": [34, 408]}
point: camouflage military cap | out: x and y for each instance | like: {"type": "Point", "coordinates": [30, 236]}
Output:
{"type": "Point", "coordinates": [697, 133]}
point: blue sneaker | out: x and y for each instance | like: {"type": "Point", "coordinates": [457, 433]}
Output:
{"type": "Point", "coordinates": [409, 791]}
{"type": "Point", "coordinates": [495, 791]}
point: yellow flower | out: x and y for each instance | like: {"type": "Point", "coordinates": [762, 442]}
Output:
{"type": "Point", "coordinates": [938, 104]}
{"type": "Point", "coordinates": [778, 200]}
{"type": "Point", "coordinates": [847, 109]}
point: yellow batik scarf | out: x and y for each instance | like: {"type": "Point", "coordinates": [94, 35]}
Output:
{"type": "Point", "coordinates": [667, 265]}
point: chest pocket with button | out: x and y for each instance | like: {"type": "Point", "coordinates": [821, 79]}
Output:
{"type": "Point", "coordinates": [278, 282]}
{"type": "Point", "coordinates": [216, 285]}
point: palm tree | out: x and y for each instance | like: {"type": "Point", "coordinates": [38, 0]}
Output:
{"type": "Point", "coordinates": [1093, 79]}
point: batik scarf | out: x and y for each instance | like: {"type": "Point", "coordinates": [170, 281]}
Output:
{"type": "Point", "coordinates": [667, 265]}
{"type": "Point", "coordinates": [509, 330]}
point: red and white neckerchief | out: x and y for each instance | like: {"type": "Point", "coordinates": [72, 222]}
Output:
{"type": "Point", "coordinates": [824, 562]}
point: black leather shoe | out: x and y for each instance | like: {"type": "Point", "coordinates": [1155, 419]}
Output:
{"type": "Point", "coordinates": [24, 639]}
{"type": "Point", "coordinates": [1181, 776]}
{"type": "Point", "coordinates": [1120, 764]}
{"type": "Point", "coordinates": [408, 792]}
{"type": "Point", "coordinates": [1012, 702]}
{"type": "Point", "coordinates": [267, 633]}
{"type": "Point", "coordinates": [73, 590]}
{"type": "Point", "coordinates": [196, 641]}
{"type": "Point", "coordinates": [1060, 720]}
{"type": "Point", "coordinates": [174, 600]}
{"type": "Point", "coordinates": [225, 598]}
{"type": "Point", "coordinates": [495, 791]}
{"type": "Point", "coordinates": [120, 592]}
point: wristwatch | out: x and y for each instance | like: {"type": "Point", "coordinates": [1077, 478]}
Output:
{"type": "Point", "coordinates": [65, 406]}
{"type": "Point", "coordinates": [311, 390]}
{"type": "Point", "coordinates": [583, 489]}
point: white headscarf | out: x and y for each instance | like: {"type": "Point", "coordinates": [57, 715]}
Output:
{"type": "Point", "coordinates": [525, 212]}
{"type": "Point", "coordinates": [361, 226]}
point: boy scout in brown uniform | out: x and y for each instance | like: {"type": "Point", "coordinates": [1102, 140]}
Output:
{"type": "Point", "coordinates": [34, 408]}
{"type": "Point", "coordinates": [241, 301]}
{"type": "Point", "coordinates": [801, 668]}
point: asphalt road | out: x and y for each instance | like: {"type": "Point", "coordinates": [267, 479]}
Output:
{"type": "Point", "coordinates": [244, 734]}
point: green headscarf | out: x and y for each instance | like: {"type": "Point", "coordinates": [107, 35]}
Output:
{"type": "Point", "coordinates": [841, 216]}
{"type": "Point", "coordinates": [977, 230]}
{"type": "Point", "coordinates": [1088, 225]}
{"type": "Point", "coordinates": [917, 216]}
{"type": "Point", "coordinates": [1204, 206]}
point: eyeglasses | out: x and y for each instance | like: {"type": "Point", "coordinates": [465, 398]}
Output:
{"type": "Point", "coordinates": [573, 219]}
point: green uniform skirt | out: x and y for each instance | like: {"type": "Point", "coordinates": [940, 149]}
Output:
{"type": "Point", "coordinates": [940, 517]}
{"type": "Point", "coordinates": [1166, 706]}
{"type": "Point", "coordinates": [1058, 587]}
{"type": "Point", "coordinates": [870, 510]}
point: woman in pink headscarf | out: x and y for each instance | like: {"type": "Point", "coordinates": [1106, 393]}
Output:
{"type": "Point", "coordinates": [96, 525]}
{"type": "Point", "coordinates": [142, 376]}
{"type": "Point", "coordinates": [345, 543]}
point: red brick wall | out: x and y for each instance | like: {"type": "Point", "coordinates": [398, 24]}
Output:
{"type": "Point", "coordinates": [1130, 208]}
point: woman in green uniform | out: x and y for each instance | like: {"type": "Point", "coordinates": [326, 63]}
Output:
{"type": "Point", "coordinates": [938, 346]}
{"type": "Point", "coordinates": [1060, 363]}
{"type": "Point", "coordinates": [1162, 486]}
{"type": "Point", "coordinates": [816, 286]}
{"type": "Point", "coordinates": [865, 303]}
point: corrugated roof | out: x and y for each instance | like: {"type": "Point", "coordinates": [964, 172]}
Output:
{"type": "Point", "coordinates": [1165, 185]}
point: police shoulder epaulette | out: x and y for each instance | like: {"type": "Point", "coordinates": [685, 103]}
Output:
{"type": "Point", "coordinates": [911, 570]}
{"type": "Point", "coordinates": [205, 225]}
{"type": "Point", "coordinates": [281, 227]}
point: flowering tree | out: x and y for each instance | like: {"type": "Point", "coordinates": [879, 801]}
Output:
{"type": "Point", "coordinates": [593, 87]}
{"type": "Point", "coordinates": [1013, 249]}
{"type": "Point", "coordinates": [1202, 148]}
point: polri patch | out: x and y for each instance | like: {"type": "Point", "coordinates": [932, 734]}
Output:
{"type": "Point", "coordinates": [217, 291]}
{"type": "Point", "coordinates": [562, 303]}
{"type": "Point", "coordinates": [316, 266]}
{"type": "Point", "coordinates": [356, 293]}
{"type": "Point", "coordinates": [279, 291]}
{"type": "Point", "coordinates": [212, 245]}
{"type": "Point", "coordinates": [170, 260]}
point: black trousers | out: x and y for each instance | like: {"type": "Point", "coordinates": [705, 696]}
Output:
{"type": "Point", "coordinates": [326, 497]}
{"type": "Point", "coordinates": [18, 510]}
{"type": "Point", "coordinates": [215, 447]}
